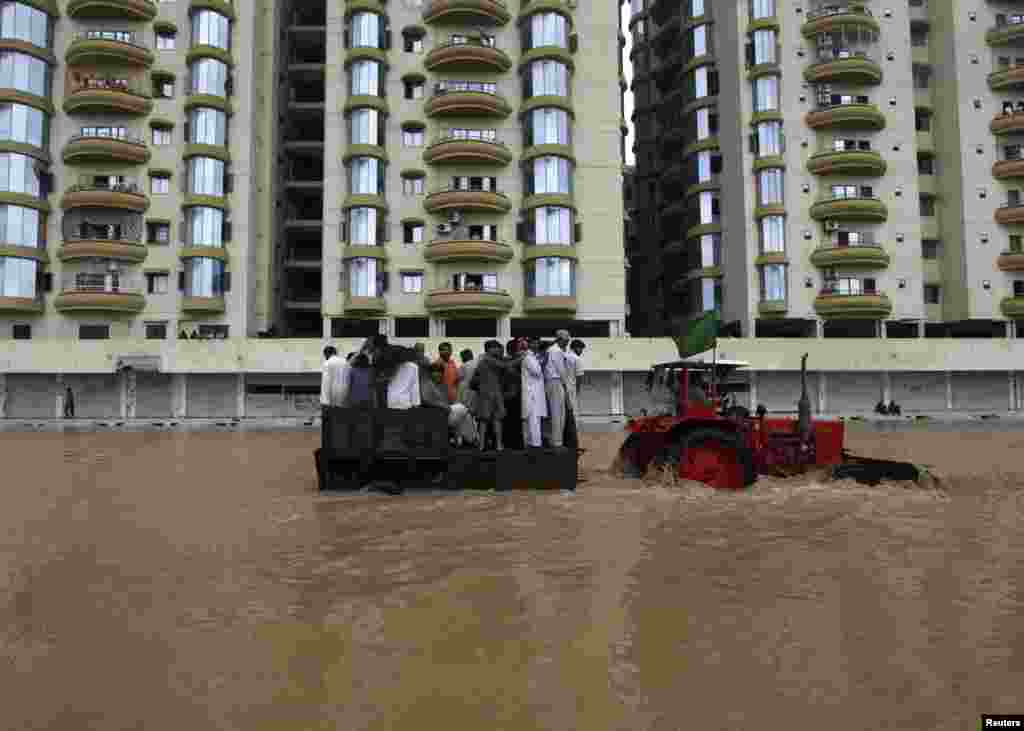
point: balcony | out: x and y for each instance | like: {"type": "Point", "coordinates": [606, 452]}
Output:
{"type": "Point", "coordinates": [1011, 261]}
{"type": "Point", "coordinates": [467, 103]}
{"type": "Point", "coordinates": [125, 196]}
{"type": "Point", "coordinates": [870, 210]}
{"type": "Point", "coordinates": [843, 66]}
{"type": "Point", "coordinates": [108, 47]}
{"type": "Point", "coordinates": [1006, 77]}
{"type": "Point", "coordinates": [865, 306]}
{"type": "Point", "coordinates": [365, 305]}
{"type": "Point", "coordinates": [847, 162]}
{"type": "Point", "coordinates": [459, 150]}
{"type": "Point", "coordinates": [837, 17]}
{"type": "Point", "coordinates": [95, 292]}
{"type": "Point", "coordinates": [99, 96]}
{"type": "Point", "coordinates": [469, 301]}
{"type": "Point", "coordinates": [459, 199]}
{"type": "Point", "coordinates": [202, 304]}
{"type": "Point", "coordinates": [121, 9]}
{"type": "Point", "coordinates": [22, 305]}
{"type": "Point", "coordinates": [469, 55]}
{"type": "Point", "coordinates": [549, 303]}
{"type": "Point", "coordinates": [452, 250]}
{"type": "Point", "coordinates": [1012, 212]}
{"type": "Point", "coordinates": [93, 147]}
{"type": "Point", "coordinates": [120, 249]}
{"type": "Point", "coordinates": [467, 12]}
{"type": "Point", "coordinates": [1008, 29]}
{"type": "Point", "coordinates": [863, 255]}
{"type": "Point", "coordinates": [853, 116]}
{"type": "Point", "coordinates": [1008, 123]}
{"type": "Point", "coordinates": [1013, 307]}
{"type": "Point", "coordinates": [1010, 167]}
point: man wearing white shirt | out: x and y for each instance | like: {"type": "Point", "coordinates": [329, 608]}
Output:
{"type": "Point", "coordinates": [404, 387]}
{"type": "Point", "coordinates": [333, 388]}
{"type": "Point", "coordinates": [554, 387]}
{"type": "Point", "coordinates": [573, 371]}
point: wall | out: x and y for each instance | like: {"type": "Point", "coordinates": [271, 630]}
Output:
{"type": "Point", "coordinates": [919, 391]}
{"type": "Point", "coordinates": [974, 391]}
{"type": "Point", "coordinates": [97, 395]}
{"type": "Point", "coordinates": [152, 395]}
{"type": "Point", "coordinates": [212, 396]}
{"type": "Point", "coordinates": [31, 396]}
{"type": "Point", "coordinates": [852, 391]}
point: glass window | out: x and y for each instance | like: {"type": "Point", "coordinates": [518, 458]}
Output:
{"type": "Point", "coordinates": [548, 29]}
{"type": "Point", "coordinates": [209, 76]}
{"type": "Point", "coordinates": [362, 226]}
{"type": "Point", "coordinates": [412, 282]}
{"type": "Point", "coordinates": [549, 126]}
{"type": "Point", "coordinates": [364, 176]}
{"type": "Point", "coordinates": [769, 186]}
{"type": "Point", "coordinates": [159, 184]}
{"type": "Point", "coordinates": [165, 41]}
{"type": "Point", "coordinates": [710, 248]}
{"type": "Point", "coordinates": [773, 235]}
{"type": "Point", "coordinates": [709, 212]}
{"type": "Point", "coordinates": [769, 139]}
{"type": "Point", "coordinates": [365, 78]}
{"type": "Point", "coordinates": [21, 123]}
{"type": "Point", "coordinates": [766, 94]}
{"type": "Point", "coordinates": [696, 8]}
{"type": "Point", "coordinates": [551, 277]}
{"type": "Point", "coordinates": [364, 127]}
{"type": "Point", "coordinates": [710, 293]}
{"type": "Point", "coordinates": [704, 166]}
{"type": "Point", "coordinates": [413, 186]}
{"type": "Point", "coordinates": [552, 225]}
{"type": "Point", "coordinates": [700, 82]}
{"type": "Point", "coordinates": [24, 73]}
{"type": "Point", "coordinates": [700, 40]}
{"type": "Point", "coordinates": [206, 176]}
{"type": "Point", "coordinates": [362, 278]}
{"type": "Point", "coordinates": [366, 30]}
{"type": "Point", "coordinates": [23, 23]}
{"type": "Point", "coordinates": [549, 78]}
{"type": "Point", "coordinates": [207, 126]}
{"type": "Point", "coordinates": [412, 138]}
{"type": "Point", "coordinates": [162, 136]}
{"type": "Point", "coordinates": [773, 282]}
{"type": "Point", "coordinates": [19, 226]}
{"type": "Point", "coordinates": [762, 9]}
{"type": "Point", "coordinates": [414, 89]}
{"type": "Point", "coordinates": [205, 226]}
{"type": "Point", "coordinates": [18, 277]}
{"type": "Point", "coordinates": [412, 233]}
{"type": "Point", "coordinates": [764, 46]}
{"type": "Point", "coordinates": [550, 175]}
{"type": "Point", "coordinates": [211, 29]}
{"type": "Point", "coordinates": [703, 123]}
{"type": "Point", "coordinates": [19, 174]}
{"type": "Point", "coordinates": [204, 277]}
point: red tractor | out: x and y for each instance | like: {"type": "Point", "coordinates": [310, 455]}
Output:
{"type": "Point", "coordinates": [707, 440]}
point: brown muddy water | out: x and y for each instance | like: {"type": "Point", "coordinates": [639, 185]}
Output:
{"type": "Point", "coordinates": [198, 581]}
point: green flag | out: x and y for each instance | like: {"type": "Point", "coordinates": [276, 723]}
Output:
{"type": "Point", "coordinates": [698, 335]}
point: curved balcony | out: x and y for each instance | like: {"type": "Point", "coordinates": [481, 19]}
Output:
{"type": "Point", "coordinates": [108, 47]}
{"type": "Point", "coordinates": [847, 162]}
{"type": "Point", "coordinates": [365, 305]}
{"type": "Point", "coordinates": [106, 96]}
{"type": "Point", "coordinates": [88, 149]}
{"type": "Point", "coordinates": [22, 305]}
{"type": "Point", "coordinates": [854, 69]}
{"type": "Point", "coordinates": [1007, 124]}
{"type": "Point", "coordinates": [451, 250]}
{"type": "Point", "coordinates": [127, 9]}
{"type": "Point", "coordinates": [467, 104]}
{"type": "Point", "coordinates": [549, 304]}
{"type": "Point", "coordinates": [452, 150]}
{"type": "Point", "coordinates": [119, 250]}
{"type": "Point", "coordinates": [837, 18]}
{"type": "Point", "coordinates": [471, 56]}
{"type": "Point", "coordinates": [852, 306]}
{"type": "Point", "coordinates": [486, 201]}
{"type": "Point", "coordinates": [1008, 169]}
{"type": "Point", "coordinates": [865, 256]}
{"type": "Point", "coordinates": [1011, 261]}
{"type": "Point", "coordinates": [850, 209]}
{"type": "Point", "coordinates": [1004, 33]}
{"type": "Point", "coordinates": [1010, 214]}
{"type": "Point", "coordinates": [469, 301]}
{"type": "Point", "coordinates": [126, 197]}
{"type": "Point", "coordinates": [1013, 307]}
{"type": "Point", "coordinates": [854, 116]}
{"type": "Point", "coordinates": [467, 12]}
{"type": "Point", "coordinates": [202, 304]}
{"type": "Point", "coordinates": [1006, 78]}
{"type": "Point", "coordinates": [88, 299]}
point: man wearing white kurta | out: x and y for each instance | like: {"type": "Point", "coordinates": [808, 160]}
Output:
{"type": "Point", "coordinates": [534, 403]}
{"type": "Point", "coordinates": [554, 387]}
{"type": "Point", "coordinates": [404, 387]}
{"type": "Point", "coordinates": [333, 388]}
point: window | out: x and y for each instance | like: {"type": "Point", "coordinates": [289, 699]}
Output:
{"type": "Point", "coordinates": [922, 121]}
{"type": "Point", "coordinates": [708, 164]}
{"type": "Point", "coordinates": [209, 76]}
{"type": "Point", "coordinates": [365, 278]}
{"type": "Point", "coordinates": [365, 176]}
{"type": "Point", "coordinates": [165, 41]}
{"type": "Point", "coordinates": [210, 29]}
{"type": "Point", "coordinates": [412, 43]}
{"type": "Point", "coordinates": [768, 139]}
{"type": "Point", "coordinates": [707, 123]}
{"type": "Point", "coordinates": [766, 94]}
{"type": "Point", "coordinates": [852, 191]}
{"type": "Point", "coordinates": [163, 88]}
{"type": "Point", "coordinates": [365, 77]}
{"type": "Point", "coordinates": [466, 281]}
{"type": "Point", "coordinates": [764, 47]}
{"type": "Point", "coordinates": [773, 283]}
{"type": "Point", "coordinates": [551, 277]}
{"type": "Point", "coordinates": [363, 226]}
{"type": "Point", "coordinates": [94, 332]}
{"type": "Point", "coordinates": [156, 331]}
{"type": "Point", "coordinates": [159, 184]}
{"type": "Point", "coordinates": [932, 294]}
{"type": "Point", "coordinates": [550, 175]}
{"type": "Point", "coordinates": [206, 176]}
{"type": "Point", "coordinates": [918, 38]}
{"type": "Point", "coordinates": [709, 208]}
{"type": "Point", "coordinates": [482, 232]}
{"type": "Point", "coordinates": [548, 126]}
{"type": "Point", "coordinates": [552, 225]}
{"type": "Point", "coordinates": [412, 233]}
{"type": "Point", "coordinates": [773, 235]}
{"type": "Point", "coordinates": [24, 73]}
{"type": "Point", "coordinates": [547, 29]}
{"type": "Point", "coordinates": [18, 277]}
{"type": "Point", "coordinates": [926, 165]}
{"type": "Point", "coordinates": [412, 282]}
{"type": "Point", "coordinates": [762, 9]}
{"type": "Point", "coordinates": [710, 250]}
{"type": "Point", "coordinates": [162, 136]}
{"type": "Point", "coordinates": [364, 127]}
{"type": "Point", "coordinates": [157, 282]}
{"type": "Point", "coordinates": [412, 138]}
{"type": "Point", "coordinates": [367, 31]}
{"type": "Point", "coordinates": [769, 186]}
{"type": "Point", "coordinates": [929, 249]}
{"type": "Point", "coordinates": [412, 186]}
{"type": "Point", "coordinates": [22, 332]}
{"type": "Point", "coordinates": [484, 87]}
{"type": "Point", "coordinates": [458, 133]}
{"type": "Point", "coordinates": [19, 226]}
{"type": "Point", "coordinates": [699, 40]}
{"type": "Point", "coordinates": [1018, 288]}
{"type": "Point", "coordinates": [414, 89]}
{"type": "Point", "coordinates": [204, 277]}
{"type": "Point", "coordinates": [205, 226]}
{"type": "Point", "coordinates": [207, 126]}
{"type": "Point", "coordinates": [474, 183]}
{"type": "Point", "coordinates": [927, 206]}
{"type": "Point", "coordinates": [20, 22]}
{"type": "Point", "coordinates": [158, 232]}
{"type": "Point", "coordinates": [547, 78]}
{"type": "Point", "coordinates": [209, 332]}
{"type": "Point", "coordinates": [1015, 244]}
{"type": "Point", "coordinates": [21, 123]}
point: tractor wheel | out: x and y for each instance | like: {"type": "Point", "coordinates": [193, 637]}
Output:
{"type": "Point", "coordinates": [716, 458]}
{"type": "Point", "coordinates": [627, 464]}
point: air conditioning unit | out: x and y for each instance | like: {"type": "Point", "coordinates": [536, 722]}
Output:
{"type": "Point", "coordinates": [831, 225]}
{"type": "Point", "coordinates": [454, 216]}
{"type": "Point", "coordinates": [444, 228]}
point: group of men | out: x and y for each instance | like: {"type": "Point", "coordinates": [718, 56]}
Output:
{"type": "Point", "coordinates": [525, 394]}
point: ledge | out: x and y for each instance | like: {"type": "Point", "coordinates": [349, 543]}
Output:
{"type": "Point", "coordinates": [206, 201]}
{"type": "Point", "coordinates": [873, 257]}
{"type": "Point", "coordinates": [468, 302]}
{"type": "Point", "coordinates": [850, 209]}
{"type": "Point", "coordinates": [202, 304]}
{"type": "Point", "coordinates": [87, 301]}
{"type": "Point", "coordinates": [361, 53]}
{"type": "Point", "coordinates": [764, 69]}
{"type": "Point", "coordinates": [209, 100]}
{"type": "Point", "coordinates": [164, 26]}
{"type": "Point", "coordinates": [90, 101]}
{"type": "Point", "coordinates": [768, 162]}
{"type": "Point", "coordinates": [562, 200]}
{"type": "Point", "coordinates": [549, 304]}
{"type": "Point", "coordinates": [705, 273]}
{"type": "Point", "coordinates": [128, 251]}
{"type": "Point", "coordinates": [711, 143]}
{"type": "Point", "coordinates": [365, 201]}
{"type": "Point", "coordinates": [773, 257]}
{"type": "Point", "coordinates": [772, 308]}
{"type": "Point", "coordinates": [203, 252]}
{"type": "Point", "coordinates": [470, 152]}
{"type": "Point", "coordinates": [223, 7]}
{"type": "Point", "coordinates": [467, 56]}
{"type": "Point", "coordinates": [847, 162]}
{"type": "Point", "coordinates": [538, 102]}
{"type": "Point", "coordinates": [19, 46]}
{"type": "Point", "coordinates": [219, 54]}
{"type": "Point", "coordinates": [1007, 124]}
{"type": "Point", "coordinates": [697, 188]}
{"type": "Point", "coordinates": [1013, 307]}
{"type": "Point", "coordinates": [702, 229]}
{"type": "Point", "coordinates": [131, 9]}
{"type": "Point", "coordinates": [103, 51]}
{"type": "Point", "coordinates": [757, 117]}
{"type": "Point", "coordinates": [467, 103]}
{"type": "Point", "coordinates": [21, 97]}
{"type": "Point", "coordinates": [25, 252]}
{"type": "Point", "coordinates": [450, 250]}
{"type": "Point", "coordinates": [545, 150]}
{"type": "Point", "coordinates": [364, 151]}
{"type": "Point", "coordinates": [1004, 169]}
{"type": "Point", "coordinates": [859, 116]}
{"type": "Point", "coordinates": [553, 6]}
{"type": "Point", "coordinates": [846, 70]}
{"type": "Point", "coordinates": [466, 12]}
{"type": "Point", "coordinates": [365, 304]}
{"type": "Point", "coordinates": [24, 199]}
{"type": "Point", "coordinates": [1003, 34]}
{"type": "Point", "coordinates": [20, 148]}
{"type": "Point", "coordinates": [1011, 261]}
{"type": "Point", "coordinates": [1011, 78]}
{"type": "Point", "coordinates": [835, 21]}
{"type": "Point", "coordinates": [548, 251]}
{"type": "Point", "coordinates": [1010, 214]}
{"type": "Point", "coordinates": [21, 305]}
{"type": "Point", "coordinates": [772, 210]}
{"type": "Point", "coordinates": [358, 251]}
{"type": "Point", "coordinates": [366, 102]}
{"type": "Point", "coordinates": [541, 53]}
{"type": "Point", "coordinates": [100, 198]}
{"type": "Point", "coordinates": [373, 6]}
{"type": "Point", "coordinates": [852, 307]}
{"type": "Point", "coordinates": [105, 149]}
{"type": "Point", "coordinates": [218, 152]}
{"type": "Point", "coordinates": [468, 200]}
{"type": "Point", "coordinates": [47, 6]}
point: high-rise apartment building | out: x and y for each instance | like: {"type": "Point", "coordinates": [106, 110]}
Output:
{"type": "Point", "coordinates": [314, 168]}
{"type": "Point", "coordinates": [832, 168]}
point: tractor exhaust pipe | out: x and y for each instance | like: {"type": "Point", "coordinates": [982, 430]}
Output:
{"type": "Point", "coordinates": [804, 405]}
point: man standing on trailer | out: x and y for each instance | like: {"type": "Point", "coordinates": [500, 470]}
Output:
{"type": "Point", "coordinates": [450, 374]}
{"type": "Point", "coordinates": [333, 389]}
{"type": "Point", "coordinates": [554, 387]}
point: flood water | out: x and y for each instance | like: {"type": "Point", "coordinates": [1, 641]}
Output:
{"type": "Point", "coordinates": [198, 581]}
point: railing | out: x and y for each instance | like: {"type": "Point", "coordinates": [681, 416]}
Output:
{"type": "Point", "coordinates": [454, 87]}
{"type": "Point", "coordinates": [472, 288]}
{"type": "Point", "coordinates": [97, 282]}
{"type": "Point", "coordinates": [1010, 111]}
{"type": "Point", "coordinates": [466, 138]}
{"type": "Point", "coordinates": [865, 241]}
{"type": "Point", "coordinates": [468, 189]}
{"type": "Point", "coordinates": [1013, 204]}
{"type": "Point", "coordinates": [130, 137]}
{"type": "Point", "coordinates": [845, 101]}
{"type": "Point", "coordinates": [844, 197]}
{"type": "Point", "coordinates": [841, 291]}
{"type": "Point", "coordinates": [99, 235]}
{"type": "Point", "coordinates": [851, 9]}
{"type": "Point", "coordinates": [125, 187]}
{"type": "Point", "coordinates": [121, 85]}
{"type": "Point", "coordinates": [827, 55]}
{"type": "Point", "coordinates": [121, 36]}
{"type": "Point", "coordinates": [468, 41]}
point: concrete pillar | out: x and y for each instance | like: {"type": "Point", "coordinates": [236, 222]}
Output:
{"type": "Point", "coordinates": [1010, 328]}
{"type": "Point", "coordinates": [1011, 382]}
{"type": "Point", "coordinates": [822, 393]}
{"type": "Point", "coordinates": [59, 405]}
{"type": "Point", "coordinates": [436, 328]}
{"type": "Point", "coordinates": [617, 399]}
{"type": "Point", "coordinates": [3, 395]}
{"type": "Point", "coordinates": [753, 391]}
{"type": "Point", "coordinates": [880, 330]}
{"type": "Point", "coordinates": [327, 328]}
{"type": "Point", "coordinates": [920, 329]}
{"type": "Point", "coordinates": [382, 326]}
{"type": "Point", "coordinates": [179, 395]}
{"type": "Point", "coordinates": [819, 328]}
{"type": "Point", "coordinates": [240, 386]}
{"type": "Point", "coordinates": [949, 390]}
{"type": "Point", "coordinates": [886, 387]}
{"type": "Point", "coordinates": [128, 380]}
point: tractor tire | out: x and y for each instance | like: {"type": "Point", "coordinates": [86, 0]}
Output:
{"type": "Point", "coordinates": [624, 465]}
{"type": "Point", "coordinates": [715, 457]}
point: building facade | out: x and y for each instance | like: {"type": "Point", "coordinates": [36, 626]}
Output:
{"type": "Point", "coordinates": [836, 169]}
{"type": "Point", "coordinates": [309, 169]}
